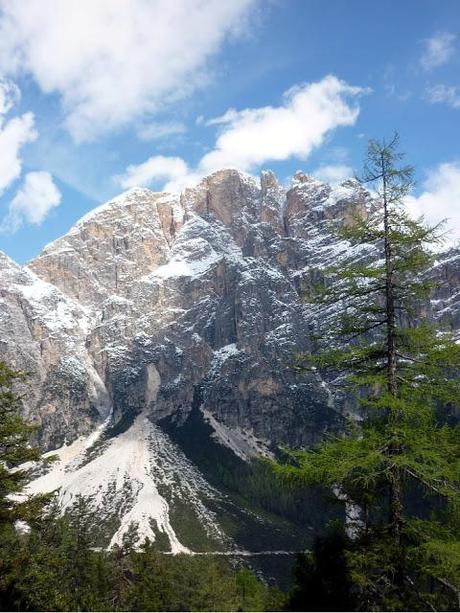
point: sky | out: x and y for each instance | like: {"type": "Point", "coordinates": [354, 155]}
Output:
{"type": "Point", "coordinates": [98, 96]}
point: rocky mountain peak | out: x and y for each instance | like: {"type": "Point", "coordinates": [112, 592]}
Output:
{"type": "Point", "coordinates": [269, 183]}
{"type": "Point", "coordinates": [122, 240]}
{"type": "Point", "coordinates": [226, 195]}
{"type": "Point", "coordinates": [161, 317]}
{"type": "Point", "coordinates": [167, 280]}
{"type": "Point", "coordinates": [300, 178]}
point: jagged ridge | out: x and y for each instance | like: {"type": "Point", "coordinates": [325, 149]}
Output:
{"type": "Point", "coordinates": [155, 299]}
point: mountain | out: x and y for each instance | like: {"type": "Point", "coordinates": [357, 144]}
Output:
{"type": "Point", "coordinates": [160, 334]}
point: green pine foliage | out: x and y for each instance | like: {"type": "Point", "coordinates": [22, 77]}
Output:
{"type": "Point", "coordinates": [194, 583]}
{"type": "Point", "coordinates": [61, 571]}
{"type": "Point", "coordinates": [15, 452]}
{"type": "Point", "coordinates": [400, 464]}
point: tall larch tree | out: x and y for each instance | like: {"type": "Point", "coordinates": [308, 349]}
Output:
{"type": "Point", "coordinates": [399, 464]}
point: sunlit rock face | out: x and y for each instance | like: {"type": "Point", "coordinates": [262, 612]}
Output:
{"type": "Point", "coordinates": [161, 308]}
{"type": "Point", "coordinates": [112, 246]}
{"type": "Point", "coordinates": [207, 287]}
{"type": "Point", "coordinates": [43, 332]}
{"type": "Point", "coordinates": [204, 287]}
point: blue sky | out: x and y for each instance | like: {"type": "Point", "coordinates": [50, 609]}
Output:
{"type": "Point", "coordinates": [98, 96]}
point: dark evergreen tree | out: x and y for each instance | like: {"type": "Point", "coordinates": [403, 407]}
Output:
{"type": "Point", "coordinates": [17, 511]}
{"type": "Point", "coordinates": [322, 577]}
{"type": "Point", "coordinates": [15, 450]}
{"type": "Point", "coordinates": [61, 571]}
{"type": "Point", "coordinates": [400, 466]}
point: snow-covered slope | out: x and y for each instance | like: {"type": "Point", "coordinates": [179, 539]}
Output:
{"type": "Point", "coordinates": [169, 314]}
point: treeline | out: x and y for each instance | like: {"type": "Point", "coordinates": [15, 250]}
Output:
{"type": "Point", "coordinates": [254, 484]}
{"type": "Point", "coordinates": [54, 567]}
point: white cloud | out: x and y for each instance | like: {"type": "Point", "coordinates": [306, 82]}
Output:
{"type": "Point", "coordinates": [32, 203]}
{"type": "Point", "coordinates": [38, 194]}
{"type": "Point", "coordinates": [333, 174]}
{"type": "Point", "coordinates": [114, 60]}
{"type": "Point", "coordinates": [444, 93]}
{"type": "Point", "coordinates": [14, 133]}
{"type": "Point", "coordinates": [438, 50]}
{"type": "Point", "coordinates": [9, 96]}
{"type": "Point", "coordinates": [440, 198]}
{"type": "Point", "coordinates": [308, 114]}
{"type": "Point", "coordinates": [252, 137]}
{"type": "Point", "coordinates": [160, 130]}
{"type": "Point", "coordinates": [157, 167]}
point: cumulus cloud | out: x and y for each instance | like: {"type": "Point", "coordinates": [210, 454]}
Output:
{"type": "Point", "coordinates": [157, 167]}
{"type": "Point", "coordinates": [113, 60]}
{"type": "Point", "coordinates": [252, 137]}
{"type": "Point", "coordinates": [309, 112]}
{"type": "Point", "coordinates": [38, 194]}
{"type": "Point", "coordinates": [14, 133]}
{"type": "Point", "coordinates": [440, 198]}
{"type": "Point", "coordinates": [33, 201]}
{"type": "Point", "coordinates": [333, 173]}
{"type": "Point", "coordinates": [438, 50]}
{"type": "Point", "coordinates": [443, 93]}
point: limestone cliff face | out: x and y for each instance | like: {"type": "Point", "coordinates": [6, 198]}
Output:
{"type": "Point", "coordinates": [203, 291]}
{"type": "Point", "coordinates": [111, 247]}
{"type": "Point", "coordinates": [44, 332]}
{"type": "Point", "coordinates": [201, 288]}
{"type": "Point", "coordinates": [163, 323]}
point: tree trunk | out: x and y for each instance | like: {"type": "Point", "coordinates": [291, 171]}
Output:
{"type": "Point", "coordinates": [389, 298]}
{"type": "Point", "coordinates": [395, 485]}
